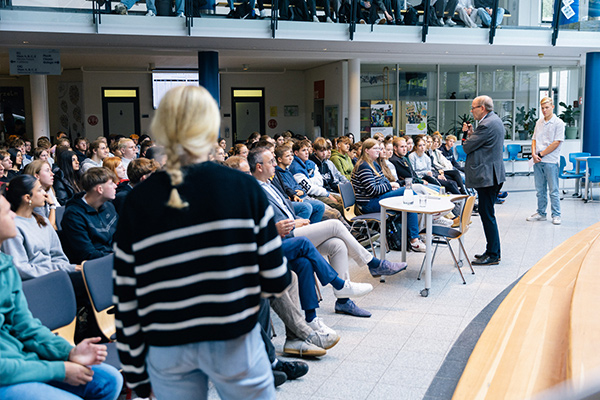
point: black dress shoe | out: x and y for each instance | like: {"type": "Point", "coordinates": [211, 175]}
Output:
{"type": "Point", "coordinates": [487, 260]}
{"type": "Point", "coordinates": [292, 369]}
{"type": "Point", "coordinates": [478, 256]}
{"type": "Point", "coordinates": [279, 377]}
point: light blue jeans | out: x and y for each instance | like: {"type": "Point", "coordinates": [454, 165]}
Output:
{"type": "Point", "coordinates": [546, 176]}
{"type": "Point", "coordinates": [486, 19]}
{"type": "Point", "coordinates": [239, 369]}
{"type": "Point", "coordinates": [106, 385]}
{"type": "Point", "coordinates": [151, 5]}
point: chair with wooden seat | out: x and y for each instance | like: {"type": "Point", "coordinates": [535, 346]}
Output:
{"type": "Point", "coordinates": [97, 276]}
{"type": "Point", "coordinates": [443, 235]}
{"type": "Point", "coordinates": [349, 202]}
{"type": "Point", "coordinates": [51, 299]}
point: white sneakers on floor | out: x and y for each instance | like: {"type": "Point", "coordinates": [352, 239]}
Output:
{"type": "Point", "coordinates": [536, 217]}
{"type": "Point", "coordinates": [353, 289]}
{"type": "Point", "coordinates": [318, 325]}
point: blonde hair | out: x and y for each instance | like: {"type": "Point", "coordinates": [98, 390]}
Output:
{"type": "Point", "coordinates": [546, 100]}
{"type": "Point", "coordinates": [187, 125]}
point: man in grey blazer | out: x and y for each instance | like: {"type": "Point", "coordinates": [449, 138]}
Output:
{"type": "Point", "coordinates": [484, 171]}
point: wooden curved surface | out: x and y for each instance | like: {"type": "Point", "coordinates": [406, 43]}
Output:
{"type": "Point", "coordinates": [525, 346]}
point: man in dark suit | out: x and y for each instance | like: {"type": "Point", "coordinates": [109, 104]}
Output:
{"type": "Point", "coordinates": [484, 171]}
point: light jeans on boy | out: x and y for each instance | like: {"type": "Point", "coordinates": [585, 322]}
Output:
{"type": "Point", "coordinates": [239, 369]}
{"type": "Point", "coordinates": [546, 177]}
{"type": "Point", "coordinates": [486, 18]}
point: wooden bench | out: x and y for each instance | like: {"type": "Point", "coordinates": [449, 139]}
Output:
{"type": "Point", "coordinates": [545, 331]}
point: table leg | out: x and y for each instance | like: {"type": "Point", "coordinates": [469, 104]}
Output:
{"type": "Point", "coordinates": [585, 195]}
{"type": "Point", "coordinates": [578, 180]}
{"type": "Point", "coordinates": [428, 224]}
{"type": "Point", "coordinates": [404, 233]}
{"type": "Point", "coordinates": [382, 231]}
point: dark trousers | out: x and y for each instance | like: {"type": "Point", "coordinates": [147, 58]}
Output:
{"type": "Point", "coordinates": [455, 176]}
{"type": "Point", "coordinates": [306, 261]}
{"type": "Point", "coordinates": [264, 319]}
{"type": "Point", "coordinates": [487, 200]}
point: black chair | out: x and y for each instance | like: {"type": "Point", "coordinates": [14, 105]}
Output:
{"type": "Point", "coordinates": [348, 201]}
{"type": "Point", "coordinates": [51, 299]}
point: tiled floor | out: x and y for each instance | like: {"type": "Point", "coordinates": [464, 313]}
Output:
{"type": "Point", "coordinates": [396, 353]}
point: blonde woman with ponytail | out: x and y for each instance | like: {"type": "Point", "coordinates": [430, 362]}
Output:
{"type": "Point", "coordinates": [190, 278]}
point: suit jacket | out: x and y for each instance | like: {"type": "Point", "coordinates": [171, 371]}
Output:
{"type": "Point", "coordinates": [280, 213]}
{"type": "Point", "coordinates": [484, 153]}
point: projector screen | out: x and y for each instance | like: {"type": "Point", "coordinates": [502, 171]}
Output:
{"type": "Point", "coordinates": [163, 81]}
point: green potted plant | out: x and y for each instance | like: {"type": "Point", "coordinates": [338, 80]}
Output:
{"type": "Point", "coordinates": [526, 120]}
{"type": "Point", "coordinates": [569, 117]}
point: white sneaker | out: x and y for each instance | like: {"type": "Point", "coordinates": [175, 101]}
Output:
{"type": "Point", "coordinates": [329, 20]}
{"type": "Point", "coordinates": [536, 217]}
{"type": "Point", "coordinates": [315, 19]}
{"type": "Point", "coordinates": [556, 220]}
{"type": "Point", "coordinates": [150, 13]}
{"type": "Point", "coordinates": [181, 15]}
{"type": "Point", "coordinates": [418, 246]}
{"type": "Point", "coordinates": [353, 289]}
{"type": "Point", "coordinates": [317, 325]}
{"type": "Point", "coordinates": [263, 13]}
{"type": "Point", "coordinates": [323, 340]}
{"type": "Point", "coordinates": [302, 348]}
{"type": "Point", "coordinates": [449, 22]}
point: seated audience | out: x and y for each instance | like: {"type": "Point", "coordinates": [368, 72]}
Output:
{"type": "Point", "coordinates": [41, 170]}
{"type": "Point", "coordinates": [448, 151]}
{"type": "Point", "coordinates": [138, 171]}
{"type": "Point", "coordinates": [330, 174]}
{"type": "Point", "coordinates": [80, 148]}
{"type": "Point", "coordinates": [158, 154]}
{"type": "Point", "coordinates": [90, 219]}
{"type": "Point", "coordinates": [66, 177]}
{"type": "Point", "coordinates": [370, 186]}
{"type": "Point", "coordinates": [240, 149]}
{"type": "Point", "coordinates": [329, 237]}
{"type": "Point", "coordinates": [36, 249]}
{"type": "Point", "coordinates": [6, 166]}
{"type": "Point", "coordinates": [340, 156]}
{"type": "Point", "coordinates": [443, 165]}
{"type": "Point", "coordinates": [125, 5]}
{"type": "Point", "coordinates": [115, 164]}
{"type": "Point", "coordinates": [304, 206]}
{"type": "Point", "coordinates": [98, 151]}
{"type": "Point", "coordinates": [485, 12]}
{"type": "Point", "coordinates": [36, 363]}
{"type": "Point", "coordinates": [144, 146]}
{"type": "Point", "coordinates": [467, 13]}
{"type": "Point", "coordinates": [16, 157]}
{"type": "Point", "coordinates": [128, 151]}
{"type": "Point", "coordinates": [421, 164]}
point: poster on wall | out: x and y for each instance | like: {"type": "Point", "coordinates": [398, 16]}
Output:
{"type": "Point", "coordinates": [382, 119]}
{"type": "Point", "coordinates": [12, 110]}
{"type": "Point", "coordinates": [70, 105]}
{"type": "Point", "coordinates": [331, 121]}
{"type": "Point", "coordinates": [416, 117]}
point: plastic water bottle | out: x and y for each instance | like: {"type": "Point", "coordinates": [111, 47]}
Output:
{"type": "Point", "coordinates": [409, 195]}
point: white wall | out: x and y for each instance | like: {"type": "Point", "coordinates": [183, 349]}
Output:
{"type": "Point", "coordinates": [335, 76]}
{"type": "Point", "coordinates": [93, 82]}
{"type": "Point", "coordinates": [280, 89]}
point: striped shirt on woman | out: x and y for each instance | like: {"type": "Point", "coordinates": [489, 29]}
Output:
{"type": "Point", "coordinates": [195, 274]}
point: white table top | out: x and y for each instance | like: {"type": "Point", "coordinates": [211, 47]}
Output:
{"type": "Point", "coordinates": [435, 204]}
{"type": "Point", "coordinates": [582, 158]}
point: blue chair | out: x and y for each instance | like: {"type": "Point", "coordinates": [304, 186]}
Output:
{"type": "Point", "coordinates": [592, 176]}
{"type": "Point", "coordinates": [51, 299]}
{"type": "Point", "coordinates": [572, 157]}
{"type": "Point", "coordinates": [513, 151]}
{"type": "Point", "coordinates": [564, 175]}
{"type": "Point", "coordinates": [461, 156]}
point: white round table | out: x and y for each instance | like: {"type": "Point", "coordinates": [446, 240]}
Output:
{"type": "Point", "coordinates": [435, 205]}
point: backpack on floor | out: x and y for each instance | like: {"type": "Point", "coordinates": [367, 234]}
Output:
{"type": "Point", "coordinates": [393, 234]}
{"type": "Point", "coordinates": [344, 12]}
